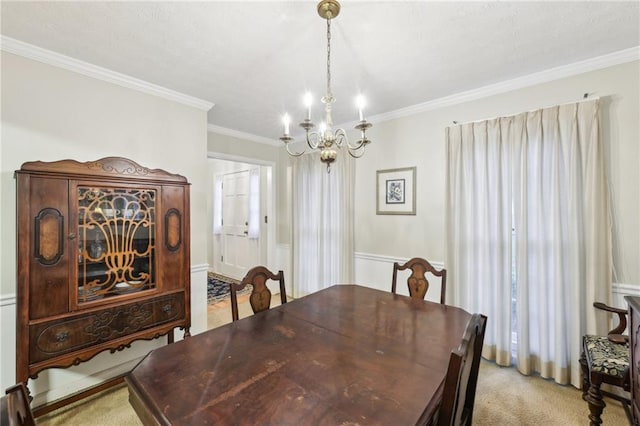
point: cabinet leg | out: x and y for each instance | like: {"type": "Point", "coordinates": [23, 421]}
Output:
{"type": "Point", "coordinates": [170, 337]}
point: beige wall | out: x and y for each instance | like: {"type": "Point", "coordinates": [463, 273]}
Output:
{"type": "Point", "coordinates": [49, 113]}
{"type": "Point", "coordinates": [418, 140]}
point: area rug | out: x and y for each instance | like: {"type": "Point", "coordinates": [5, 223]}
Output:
{"type": "Point", "coordinates": [218, 287]}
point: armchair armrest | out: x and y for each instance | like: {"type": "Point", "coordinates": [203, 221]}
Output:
{"type": "Point", "coordinates": [622, 317]}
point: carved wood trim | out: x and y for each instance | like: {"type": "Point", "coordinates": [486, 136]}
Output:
{"type": "Point", "coordinates": [48, 236]}
{"type": "Point", "coordinates": [118, 167]}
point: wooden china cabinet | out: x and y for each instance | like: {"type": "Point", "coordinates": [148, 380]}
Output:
{"type": "Point", "coordinates": [103, 259]}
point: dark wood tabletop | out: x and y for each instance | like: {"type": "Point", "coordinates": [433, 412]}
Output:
{"type": "Point", "coordinates": [344, 355]}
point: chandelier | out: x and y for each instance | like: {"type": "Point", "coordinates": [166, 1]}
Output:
{"type": "Point", "coordinates": [326, 140]}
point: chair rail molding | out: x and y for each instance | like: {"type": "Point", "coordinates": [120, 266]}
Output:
{"type": "Point", "coordinates": [376, 271]}
{"type": "Point", "coordinates": [620, 290]}
{"type": "Point", "coordinates": [390, 259]}
{"type": "Point", "coordinates": [7, 300]}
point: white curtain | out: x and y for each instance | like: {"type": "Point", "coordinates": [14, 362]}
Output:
{"type": "Point", "coordinates": [478, 225]}
{"type": "Point", "coordinates": [542, 173]}
{"type": "Point", "coordinates": [322, 223]}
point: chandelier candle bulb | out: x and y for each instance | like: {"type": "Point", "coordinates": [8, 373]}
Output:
{"type": "Point", "coordinates": [360, 102]}
{"type": "Point", "coordinates": [308, 100]}
{"type": "Point", "coordinates": [286, 120]}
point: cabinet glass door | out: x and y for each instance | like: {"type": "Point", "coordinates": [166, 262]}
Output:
{"type": "Point", "coordinates": [116, 241]}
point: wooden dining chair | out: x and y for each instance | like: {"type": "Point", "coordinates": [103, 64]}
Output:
{"type": "Point", "coordinates": [605, 359]}
{"type": "Point", "coordinates": [417, 281]}
{"type": "Point", "coordinates": [462, 376]}
{"type": "Point", "coordinates": [260, 298]}
{"type": "Point", "coordinates": [14, 407]}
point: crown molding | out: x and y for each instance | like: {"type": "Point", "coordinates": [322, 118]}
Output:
{"type": "Point", "coordinates": [242, 135]}
{"type": "Point", "coordinates": [49, 57]}
{"type": "Point", "coordinates": [593, 64]}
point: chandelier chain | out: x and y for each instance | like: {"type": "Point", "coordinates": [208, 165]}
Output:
{"type": "Point", "coordinates": [329, 94]}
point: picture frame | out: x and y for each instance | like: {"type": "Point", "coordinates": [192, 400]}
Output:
{"type": "Point", "coordinates": [396, 191]}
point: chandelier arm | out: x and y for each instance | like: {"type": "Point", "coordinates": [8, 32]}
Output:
{"type": "Point", "coordinates": [358, 152]}
{"type": "Point", "coordinates": [294, 154]}
{"type": "Point", "coordinates": [340, 138]}
{"type": "Point", "coordinates": [359, 144]}
{"type": "Point", "coordinates": [313, 140]}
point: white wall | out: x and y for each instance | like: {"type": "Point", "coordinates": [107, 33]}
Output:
{"type": "Point", "coordinates": [48, 114]}
{"type": "Point", "coordinates": [418, 140]}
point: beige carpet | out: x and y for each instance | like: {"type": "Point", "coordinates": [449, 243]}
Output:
{"type": "Point", "coordinates": [503, 397]}
{"type": "Point", "coordinates": [506, 397]}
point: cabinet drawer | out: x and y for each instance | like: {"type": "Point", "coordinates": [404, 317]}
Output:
{"type": "Point", "coordinates": [59, 337]}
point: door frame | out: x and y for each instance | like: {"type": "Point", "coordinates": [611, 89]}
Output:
{"type": "Point", "coordinates": [268, 199]}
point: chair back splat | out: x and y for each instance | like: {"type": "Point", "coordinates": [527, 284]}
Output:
{"type": "Point", "coordinates": [14, 407]}
{"type": "Point", "coordinates": [417, 282]}
{"type": "Point", "coordinates": [462, 376]}
{"type": "Point", "coordinates": [260, 298]}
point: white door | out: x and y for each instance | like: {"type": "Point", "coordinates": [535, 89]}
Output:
{"type": "Point", "coordinates": [238, 252]}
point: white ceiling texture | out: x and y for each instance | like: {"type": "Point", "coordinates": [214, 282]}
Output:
{"type": "Point", "coordinates": [255, 60]}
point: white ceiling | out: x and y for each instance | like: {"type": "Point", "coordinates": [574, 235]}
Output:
{"type": "Point", "coordinates": [255, 60]}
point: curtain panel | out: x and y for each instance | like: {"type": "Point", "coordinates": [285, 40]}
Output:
{"type": "Point", "coordinates": [323, 231]}
{"type": "Point", "coordinates": [527, 195]}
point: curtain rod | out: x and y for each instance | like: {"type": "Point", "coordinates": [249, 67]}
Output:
{"type": "Point", "coordinates": [585, 98]}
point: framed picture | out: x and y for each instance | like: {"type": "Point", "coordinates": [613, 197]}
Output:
{"type": "Point", "coordinates": [396, 191]}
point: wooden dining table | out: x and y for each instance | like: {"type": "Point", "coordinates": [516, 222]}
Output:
{"type": "Point", "coordinates": [346, 355]}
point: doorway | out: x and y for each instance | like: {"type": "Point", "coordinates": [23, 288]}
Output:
{"type": "Point", "coordinates": [242, 235]}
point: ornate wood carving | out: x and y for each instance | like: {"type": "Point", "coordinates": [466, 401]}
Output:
{"type": "Point", "coordinates": [48, 233]}
{"type": "Point", "coordinates": [108, 167]}
{"type": "Point", "coordinates": [119, 224]}
{"type": "Point", "coordinates": [62, 336]}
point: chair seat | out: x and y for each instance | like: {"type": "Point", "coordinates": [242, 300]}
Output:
{"type": "Point", "coordinates": [607, 357]}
